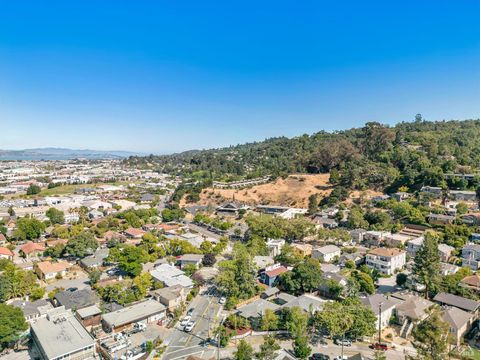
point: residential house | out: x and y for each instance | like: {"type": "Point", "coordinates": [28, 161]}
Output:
{"type": "Point", "coordinates": [172, 297]}
{"type": "Point", "coordinates": [32, 309]}
{"type": "Point", "coordinates": [471, 256]}
{"type": "Point", "coordinates": [261, 262]}
{"type": "Point", "coordinates": [334, 285]}
{"type": "Point", "coordinates": [469, 305]}
{"type": "Point", "coordinates": [31, 250]}
{"type": "Point", "coordinates": [329, 268]}
{"type": "Point", "coordinates": [471, 282]}
{"type": "Point", "coordinates": [77, 299]}
{"type": "Point", "coordinates": [47, 270]}
{"type": "Point", "coordinates": [303, 249]}
{"type": "Point", "coordinates": [414, 245]}
{"type": "Point", "coordinates": [327, 253]}
{"type": "Point", "coordinates": [463, 195]}
{"type": "Point", "coordinates": [148, 311]}
{"type": "Point", "coordinates": [459, 322]}
{"type": "Point", "coordinates": [448, 269]}
{"type": "Point", "coordinates": [96, 260]}
{"type": "Point", "coordinates": [275, 246]}
{"type": "Point", "coordinates": [255, 310]}
{"type": "Point", "coordinates": [271, 273]}
{"type": "Point", "coordinates": [194, 239]}
{"type": "Point", "coordinates": [445, 251]}
{"type": "Point", "coordinates": [325, 222]}
{"type": "Point", "coordinates": [433, 191]}
{"type": "Point", "coordinates": [308, 303]}
{"type": "Point", "coordinates": [59, 335]}
{"type": "Point", "coordinates": [357, 235]}
{"type": "Point", "coordinates": [147, 198]}
{"type": "Point", "coordinates": [232, 208]}
{"type": "Point", "coordinates": [471, 219]}
{"type": "Point", "coordinates": [382, 306]}
{"type": "Point", "coordinates": [375, 238]}
{"type": "Point", "coordinates": [6, 253]}
{"type": "Point", "coordinates": [396, 240]}
{"type": "Point", "coordinates": [412, 310]}
{"type": "Point", "coordinates": [133, 233]}
{"type": "Point", "coordinates": [190, 259]}
{"type": "Point", "coordinates": [89, 316]}
{"type": "Point", "coordinates": [440, 219]}
{"type": "Point", "coordinates": [169, 275]}
{"type": "Point", "coordinates": [357, 258]}
{"type": "Point", "coordinates": [400, 196]}
{"type": "Point", "coordinates": [386, 260]}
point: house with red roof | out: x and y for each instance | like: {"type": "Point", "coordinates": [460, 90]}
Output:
{"type": "Point", "coordinates": [271, 273]}
{"type": "Point", "coordinates": [31, 249]}
{"type": "Point", "coordinates": [6, 253]}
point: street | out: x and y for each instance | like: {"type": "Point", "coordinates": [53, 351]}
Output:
{"type": "Point", "coordinates": [206, 314]}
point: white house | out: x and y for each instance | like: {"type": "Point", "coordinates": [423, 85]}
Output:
{"type": "Point", "coordinates": [326, 253]}
{"type": "Point", "coordinates": [386, 260]}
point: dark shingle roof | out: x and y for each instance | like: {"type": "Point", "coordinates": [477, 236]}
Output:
{"type": "Point", "coordinates": [77, 299]}
{"type": "Point", "coordinates": [457, 301]}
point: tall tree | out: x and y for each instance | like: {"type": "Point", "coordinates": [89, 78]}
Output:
{"type": "Point", "coordinates": [82, 245]}
{"type": "Point", "coordinates": [431, 336]}
{"type": "Point", "coordinates": [427, 264]}
{"type": "Point", "coordinates": [12, 324]}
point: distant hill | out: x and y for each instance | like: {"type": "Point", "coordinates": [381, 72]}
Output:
{"type": "Point", "coordinates": [62, 154]}
{"type": "Point", "coordinates": [380, 157]}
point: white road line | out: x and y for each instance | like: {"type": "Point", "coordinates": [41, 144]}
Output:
{"type": "Point", "coordinates": [184, 357]}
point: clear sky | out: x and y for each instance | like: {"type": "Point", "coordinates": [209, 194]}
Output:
{"type": "Point", "coordinates": [163, 76]}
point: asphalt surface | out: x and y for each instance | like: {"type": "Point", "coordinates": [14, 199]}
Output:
{"type": "Point", "coordinates": [207, 314]}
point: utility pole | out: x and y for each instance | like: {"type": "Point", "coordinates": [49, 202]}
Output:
{"type": "Point", "coordinates": [380, 323]}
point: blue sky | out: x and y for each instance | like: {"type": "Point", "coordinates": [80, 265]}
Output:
{"type": "Point", "coordinates": [164, 76]}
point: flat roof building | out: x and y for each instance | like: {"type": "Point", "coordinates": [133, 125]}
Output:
{"type": "Point", "coordinates": [57, 334]}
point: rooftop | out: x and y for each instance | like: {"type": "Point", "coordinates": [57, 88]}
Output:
{"type": "Point", "coordinates": [133, 313]}
{"type": "Point", "coordinates": [457, 301]}
{"type": "Point", "coordinates": [388, 252]}
{"type": "Point", "coordinates": [60, 333]}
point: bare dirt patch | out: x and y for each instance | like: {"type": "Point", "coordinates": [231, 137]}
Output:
{"type": "Point", "coordinates": [292, 191]}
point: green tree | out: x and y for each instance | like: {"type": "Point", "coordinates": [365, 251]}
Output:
{"type": "Point", "coordinates": [289, 256]}
{"type": "Point", "coordinates": [313, 204]}
{"type": "Point", "coordinates": [12, 324]}
{"type": "Point", "coordinates": [55, 216]}
{"type": "Point", "coordinates": [269, 349]}
{"type": "Point", "coordinates": [33, 189]}
{"type": "Point", "coordinates": [364, 281]}
{"type": "Point", "coordinates": [28, 229]}
{"type": "Point", "coordinates": [431, 336]}
{"type": "Point", "coordinates": [269, 320]}
{"type": "Point", "coordinates": [237, 276]}
{"type": "Point", "coordinates": [94, 276]}
{"type": "Point", "coordinates": [427, 264]}
{"type": "Point", "coordinates": [401, 279]}
{"type": "Point", "coordinates": [82, 245]}
{"type": "Point", "coordinates": [305, 277]}
{"type": "Point", "coordinates": [301, 348]}
{"type": "Point", "coordinates": [244, 351]}
{"type": "Point", "coordinates": [296, 322]}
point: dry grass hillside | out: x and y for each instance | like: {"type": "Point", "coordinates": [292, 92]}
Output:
{"type": "Point", "coordinates": [292, 191]}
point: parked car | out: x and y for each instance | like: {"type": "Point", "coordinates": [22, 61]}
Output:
{"type": "Point", "coordinates": [379, 346]}
{"type": "Point", "coordinates": [190, 326]}
{"type": "Point", "coordinates": [318, 356]}
{"type": "Point", "coordinates": [340, 357]}
{"type": "Point", "coordinates": [344, 342]}
{"type": "Point", "coordinates": [190, 312]}
{"type": "Point", "coordinates": [185, 320]}
{"type": "Point", "coordinates": [222, 300]}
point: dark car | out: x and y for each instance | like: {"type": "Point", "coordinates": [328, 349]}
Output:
{"type": "Point", "coordinates": [379, 346]}
{"type": "Point", "coordinates": [190, 312]}
{"type": "Point", "coordinates": [318, 356]}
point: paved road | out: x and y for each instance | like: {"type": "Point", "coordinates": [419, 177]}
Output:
{"type": "Point", "coordinates": [207, 312]}
{"type": "Point", "coordinates": [202, 230]}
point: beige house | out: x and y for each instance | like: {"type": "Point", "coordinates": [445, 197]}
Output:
{"type": "Point", "coordinates": [172, 297]}
{"type": "Point", "coordinates": [459, 322]}
{"type": "Point", "coordinates": [387, 261]}
{"type": "Point", "coordinates": [47, 270]}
